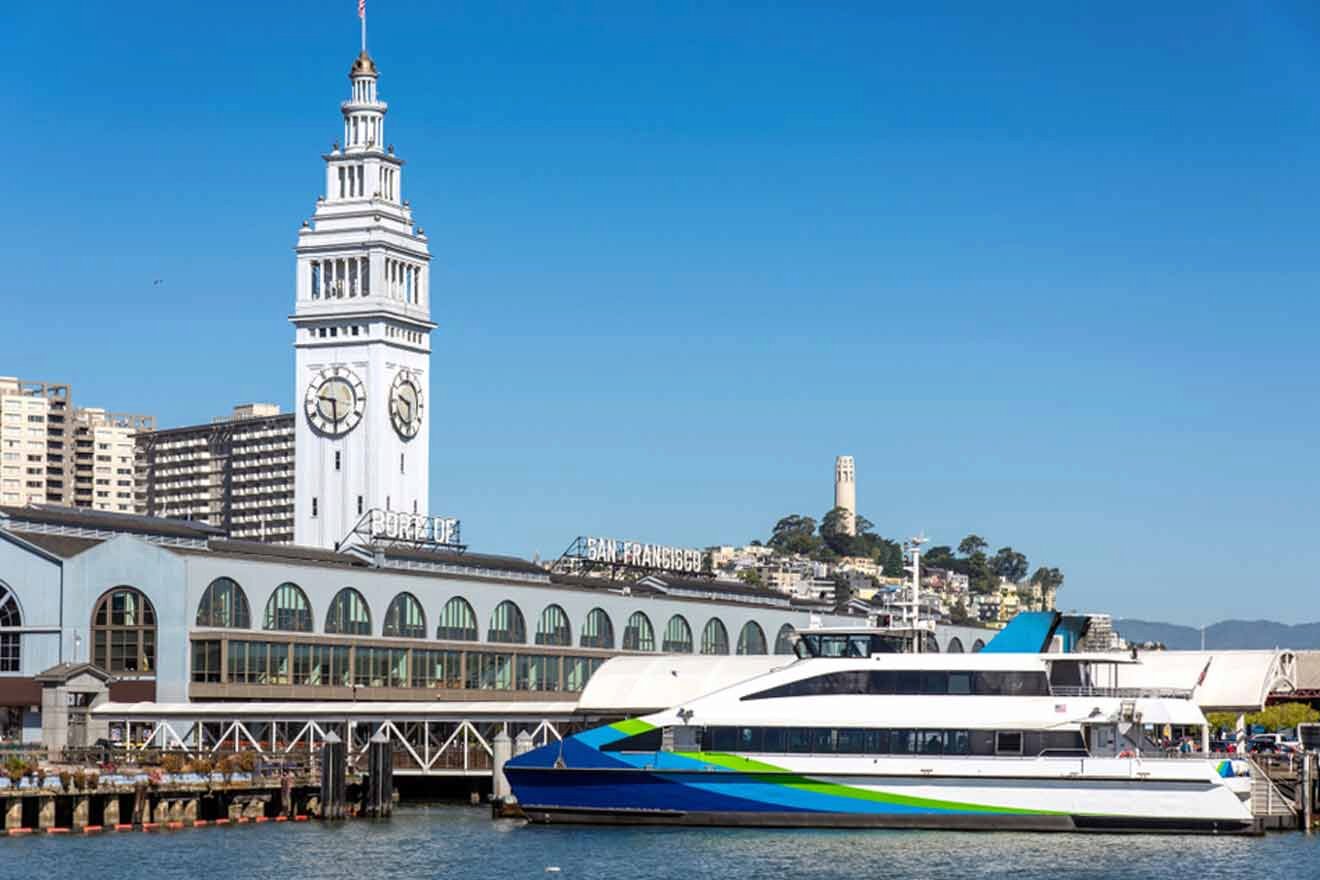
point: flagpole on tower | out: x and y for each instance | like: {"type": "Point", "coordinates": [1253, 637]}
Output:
{"type": "Point", "coordinates": [362, 14]}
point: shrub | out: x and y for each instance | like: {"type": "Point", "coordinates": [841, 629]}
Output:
{"type": "Point", "coordinates": [66, 780]}
{"type": "Point", "coordinates": [172, 763]}
{"type": "Point", "coordinates": [247, 761]}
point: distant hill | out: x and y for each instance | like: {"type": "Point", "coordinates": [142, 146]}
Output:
{"type": "Point", "coordinates": [1227, 634]}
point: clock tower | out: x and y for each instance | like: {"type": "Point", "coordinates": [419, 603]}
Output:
{"type": "Point", "coordinates": [362, 335]}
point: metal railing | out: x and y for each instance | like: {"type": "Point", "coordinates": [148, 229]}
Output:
{"type": "Point", "coordinates": [1125, 693]}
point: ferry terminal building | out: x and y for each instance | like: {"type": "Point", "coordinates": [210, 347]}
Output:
{"type": "Point", "coordinates": [175, 612]}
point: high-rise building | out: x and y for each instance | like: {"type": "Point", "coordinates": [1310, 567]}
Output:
{"type": "Point", "coordinates": [53, 453]}
{"type": "Point", "coordinates": [235, 473]}
{"type": "Point", "coordinates": [104, 467]}
{"type": "Point", "coordinates": [845, 490]}
{"type": "Point", "coordinates": [362, 334]}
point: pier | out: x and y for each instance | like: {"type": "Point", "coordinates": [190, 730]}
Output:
{"type": "Point", "coordinates": [160, 790]}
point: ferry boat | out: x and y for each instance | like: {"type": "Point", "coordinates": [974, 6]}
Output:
{"type": "Point", "coordinates": [864, 729]}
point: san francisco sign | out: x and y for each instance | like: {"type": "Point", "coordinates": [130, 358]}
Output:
{"type": "Point", "coordinates": [635, 554]}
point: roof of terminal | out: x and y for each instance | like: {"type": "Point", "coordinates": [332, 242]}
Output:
{"type": "Point", "coordinates": [106, 521]}
{"type": "Point", "coordinates": [66, 532]}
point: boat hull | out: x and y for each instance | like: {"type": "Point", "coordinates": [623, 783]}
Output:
{"type": "Point", "coordinates": [1027, 795]}
{"type": "Point", "coordinates": [561, 816]}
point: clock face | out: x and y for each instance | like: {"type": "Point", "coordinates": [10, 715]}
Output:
{"type": "Point", "coordinates": [406, 405]}
{"type": "Point", "coordinates": [335, 400]}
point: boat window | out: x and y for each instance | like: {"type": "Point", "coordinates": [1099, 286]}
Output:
{"type": "Point", "coordinates": [850, 741]}
{"type": "Point", "coordinates": [957, 742]}
{"type": "Point", "coordinates": [638, 742]}
{"type": "Point", "coordinates": [865, 741]}
{"type": "Point", "coordinates": [1012, 683]}
{"type": "Point", "coordinates": [909, 681]}
{"type": "Point", "coordinates": [859, 646]}
{"type": "Point", "coordinates": [901, 742]}
{"type": "Point", "coordinates": [889, 644]}
{"type": "Point", "coordinates": [721, 739]}
{"type": "Point", "coordinates": [751, 739]}
{"type": "Point", "coordinates": [1008, 742]}
{"type": "Point", "coordinates": [877, 742]}
{"type": "Point", "coordinates": [934, 682]}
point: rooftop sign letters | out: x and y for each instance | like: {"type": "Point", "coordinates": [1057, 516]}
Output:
{"type": "Point", "coordinates": [410, 528]}
{"type": "Point", "coordinates": [634, 554]}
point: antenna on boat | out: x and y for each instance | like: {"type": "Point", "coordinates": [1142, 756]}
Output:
{"type": "Point", "coordinates": [913, 617]}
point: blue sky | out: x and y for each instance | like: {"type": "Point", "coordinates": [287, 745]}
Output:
{"type": "Point", "coordinates": [1049, 274]}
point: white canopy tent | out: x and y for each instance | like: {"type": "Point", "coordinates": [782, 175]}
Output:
{"type": "Point", "coordinates": [1222, 681]}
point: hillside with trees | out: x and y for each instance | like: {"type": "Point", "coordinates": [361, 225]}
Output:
{"type": "Point", "coordinates": [828, 540]}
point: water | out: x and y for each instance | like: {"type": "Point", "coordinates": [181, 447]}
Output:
{"type": "Point", "coordinates": [462, 842]}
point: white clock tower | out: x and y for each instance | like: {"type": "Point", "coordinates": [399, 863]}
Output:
{"type": "Point", "coordinates": [363, 335]}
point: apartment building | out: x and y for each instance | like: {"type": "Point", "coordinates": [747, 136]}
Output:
{"type": "Point", "coordinates": [54, 453]}
{"type": "Point", "coordinates": [104, 469]}
{"type": "Point", "coordinates": [235, 473]}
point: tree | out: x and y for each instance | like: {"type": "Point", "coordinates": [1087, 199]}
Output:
{"type": "Point", "coordinates": [958, 614]}
{"type": "Point", "coordinates": [834, 531]}
{"type": "Point", "coordinates": [972, 545]}
{"type": "Point", "coordinates": [939, 557]}
{"type": "Point", "coordinates": [1047, 578]}
{"type": "Point", "coordinates": [890, 556]}
{"type": "Point", "coordinates": [794, 534]}
{"type": "Point", "coordinates": [1009, 564]}
{"type": "Point", "coordinates": [1275, 717]}
{"type": "Point", "coordinates": [751, 576]}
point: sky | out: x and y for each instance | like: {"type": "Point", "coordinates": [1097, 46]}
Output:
{"type": "Point", "coordinates": [1048, 273]}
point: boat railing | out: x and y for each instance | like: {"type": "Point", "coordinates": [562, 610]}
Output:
{"type": "Point", "coordinates": [1125, 693]}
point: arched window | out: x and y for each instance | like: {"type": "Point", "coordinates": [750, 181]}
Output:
{"type": "Point", "coordinates": [553, 628]}
{"type": "Point", "coordinates": [10, 642]}
{"type": "Point", "coordinates": [678, 636]}
{"type": "Point", "coordinates": [955, 646]}
{"type": "Point", "coordinates": [224, 604]}
{"type": "Point", "coordinates": [752, 639]}
{"type": "Point", "coordinates": [124, 632]}
{"type": "Point", "coordinates": [405, 618]}
{"type": "Point", "coordinates": [348, 614]}
{"type": "Point", "coordinates": [598, 631]}
{"type": "Point", "coordinates": [638, 635]}
{"type": "Point", "coordinates": [507, 625]}
{"type": "Point", "coordinates": [784, 640]}
{"type": "Point", "coordinates": [288, 610]}
{"type": "Point", "coordinates": [932, 645]}
{"type": "Point", "coordinates": [458, 622]}
{"type": "Point", "coordinates": [977, 646]}
{"type": "Point", "coordinates": [714, 638]}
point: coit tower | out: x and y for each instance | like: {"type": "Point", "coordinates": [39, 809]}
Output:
{"type": "Point", "coordinates": [363, 327]}
{"type": "Point", "coordinates": [845, 491]}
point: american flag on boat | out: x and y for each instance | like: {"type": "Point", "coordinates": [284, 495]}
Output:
{"type": "Point", "coordinates": [362, 8]}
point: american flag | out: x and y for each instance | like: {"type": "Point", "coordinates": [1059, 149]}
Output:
{"type": "Point", "coordinates": [1061, 708]}
{"type": "Point", "coordinates": [362, 8]}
